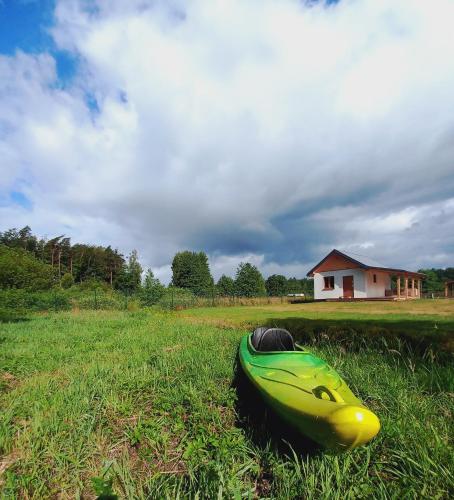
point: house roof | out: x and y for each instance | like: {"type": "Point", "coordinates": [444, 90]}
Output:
{"type": "Point", "coordinates": [365, 263]}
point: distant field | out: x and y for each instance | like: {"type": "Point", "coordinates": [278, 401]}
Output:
{"type": "Point", "coordinates": [423, 323]}
{"type": "Point", "coordinates": [148, 404]}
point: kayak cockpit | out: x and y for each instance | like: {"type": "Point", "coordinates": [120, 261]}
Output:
{"type": "Point", "coordinates": [265, 340]}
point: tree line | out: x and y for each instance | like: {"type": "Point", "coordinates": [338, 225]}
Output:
{"type": "Point", "coordinates": [56, 260]}
{"type": "Point", "coordinates": [191, 270]}
{"type": "Point", "coordinates": [32, 263]}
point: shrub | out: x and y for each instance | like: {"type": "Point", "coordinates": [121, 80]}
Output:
{"type": "Point", "coordinates": [23, 300]}
{"type": "Point", "coordinates": [67, 281]}
{"type": "Point", "coordinates": [93, 284]}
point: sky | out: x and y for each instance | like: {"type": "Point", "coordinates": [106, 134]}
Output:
{"type": "Point", "coordinates": [268, 131]}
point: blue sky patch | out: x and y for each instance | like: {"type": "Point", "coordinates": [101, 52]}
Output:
{"type": "Point", "coordinates": [18, 198]}
{"type": "Point", "coordinates": [24, 25]}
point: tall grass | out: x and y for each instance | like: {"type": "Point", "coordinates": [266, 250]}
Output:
{"type": "Point", "coordinates": [148, 405]}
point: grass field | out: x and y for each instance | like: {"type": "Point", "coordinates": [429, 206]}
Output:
{"type": "Point", "coordinates": [150, 405]}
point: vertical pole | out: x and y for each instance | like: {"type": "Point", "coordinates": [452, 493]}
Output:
{"type": "Point", "coordinates": [413, 291]}
{"type": "Point", "coordinates": [406, 287]}
{"type": "Point", "coordinates": [398, 287]}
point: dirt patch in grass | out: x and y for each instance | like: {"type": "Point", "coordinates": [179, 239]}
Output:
{"type": "Point", "coordinates": [7, 461]}
{"type": "Point", "coordinates": [8, 381]}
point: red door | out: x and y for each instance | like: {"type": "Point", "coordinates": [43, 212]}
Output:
{"type": "Point", "coordinates": [347, 283]}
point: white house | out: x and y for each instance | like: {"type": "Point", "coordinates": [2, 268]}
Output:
{"type": "Point", "coordinates": [342, 276]}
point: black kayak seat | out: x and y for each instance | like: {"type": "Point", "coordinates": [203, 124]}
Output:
{"type": "Point", "coordinates": [267, 339]}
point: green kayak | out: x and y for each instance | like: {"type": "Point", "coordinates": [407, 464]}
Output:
{"type": "Point", "coordinates": [305, 391]}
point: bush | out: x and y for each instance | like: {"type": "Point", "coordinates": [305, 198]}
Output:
{"type": "Point", "coordinates": [93, 284]}
{"type": "Point", "coordinates": [23, 300]}
{"type": "Point", "coordinates": [67, 281]}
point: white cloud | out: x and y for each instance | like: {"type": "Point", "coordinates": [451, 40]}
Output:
{"type": "Point", "coordinates": [248, 128]}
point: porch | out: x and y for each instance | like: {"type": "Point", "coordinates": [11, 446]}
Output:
{"type": "Point", "coordinates": [408, 286]}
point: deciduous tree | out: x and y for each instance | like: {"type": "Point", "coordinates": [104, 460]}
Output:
{"type": "Point", "coordinates": [248, 281]}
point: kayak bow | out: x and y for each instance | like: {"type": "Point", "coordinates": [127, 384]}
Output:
{"type": "Point", "coordinates": [310, 395]}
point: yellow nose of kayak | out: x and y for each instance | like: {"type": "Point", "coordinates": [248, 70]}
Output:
{"type": "Point", "coordinates": [353, 426]}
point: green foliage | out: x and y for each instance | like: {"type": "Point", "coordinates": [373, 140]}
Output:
{"type": "Point", "coordinates": [191, 270]}
{"type": "Point", "coordinates": [304, 285]}
{"type": "Point", "coordinates": [24, 300]}
{"type": "Point", "coordinates": [248, 281]}
{"type": "Point", "coordinates": [19, 269]}
{"type": "Point", "coordinates": [276, 285]}
{"type": "Point", "coordinates": [152, 290]}
{"type": "Point", "coordinates": [84, 262]}
{"type": "Point", "coordinates": [129, 278]}
{"type": "Point", "coordinates": [225, 286]}
{"type": "Point", "coordinates": [93, 284]}
{"type": "Point", "coordinates": [294, 285]}
{"type": "Point", "coordinates": [67, 281]}
{"type": "Point", "coordinates": [103, 488]}
{"type": "Point", "coordinates": [20, 238]}
{"type": "Point", "coordinates": [435, 279]}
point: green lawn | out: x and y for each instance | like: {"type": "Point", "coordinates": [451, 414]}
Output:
{"type": "Point", "coordinates": [152, 402]}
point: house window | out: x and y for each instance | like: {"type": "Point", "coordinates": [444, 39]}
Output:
{"type": "Point", "coordinates": [329, 282]}
{"type": "Point", "coordinates": [375, 278]}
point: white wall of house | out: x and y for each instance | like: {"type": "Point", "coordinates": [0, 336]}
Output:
{"type": "Point", "coordinates": [377, 289]}
{"type": "Point", "coordinates": [359, 284]}
{"type": "Point", "coordinates": [363, 284]}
